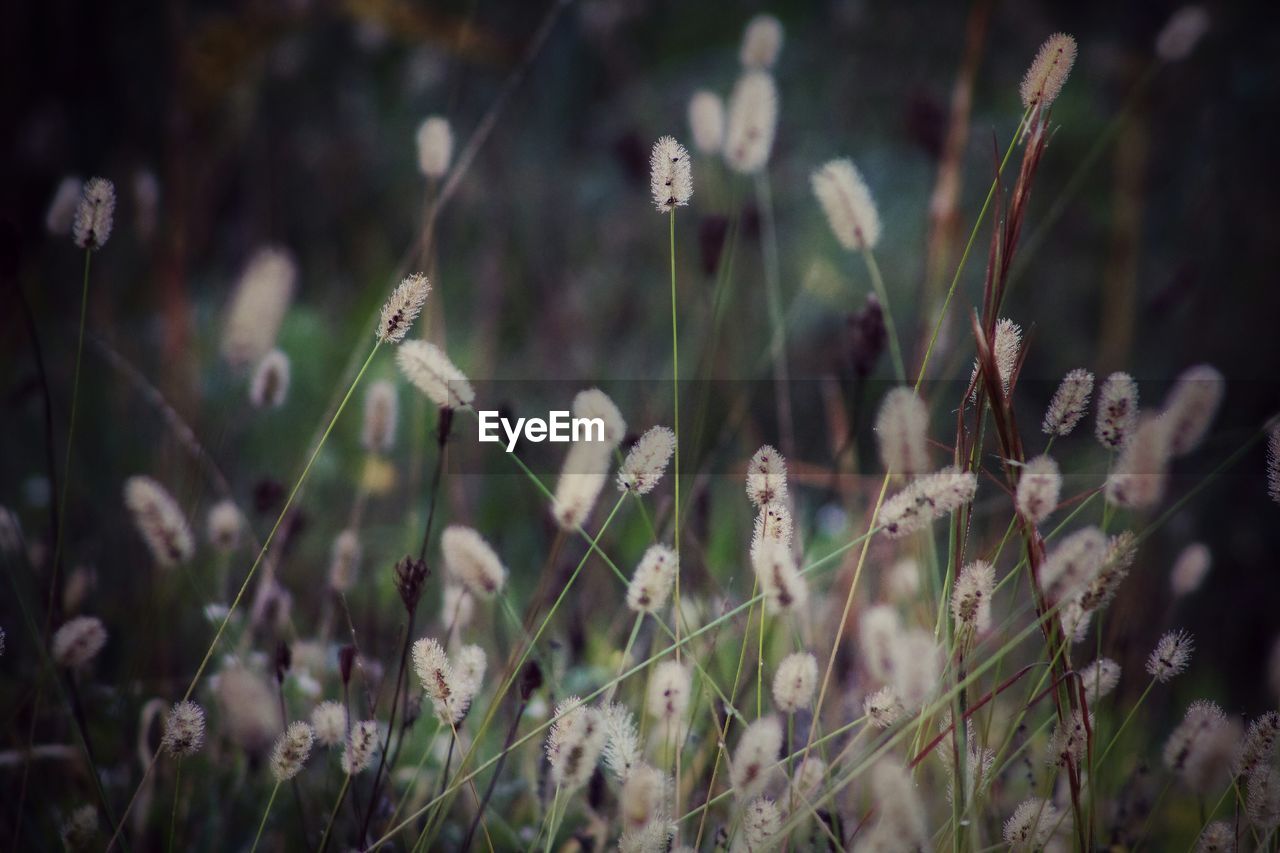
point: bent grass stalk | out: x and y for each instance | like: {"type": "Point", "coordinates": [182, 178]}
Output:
{"type": "Point", "coordinates": [275, 789]}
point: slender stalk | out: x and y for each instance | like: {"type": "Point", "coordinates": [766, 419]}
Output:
{"type": "Point", "coordinates": [675, 392]}
{"type": "Point", "coordinates": [328, 827]}
{"type": "Point", "coordinates": [274, 790]}
{"type": "Point", "coordinates": [177, 789]}
{"type": "Point", "coordinates": [895, 346]}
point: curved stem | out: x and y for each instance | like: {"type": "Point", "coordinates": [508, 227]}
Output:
{"type": "Point", "coordinates": [265, 813]}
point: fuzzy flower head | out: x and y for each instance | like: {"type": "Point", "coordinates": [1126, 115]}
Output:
{"type": "Point", "coordinates": [706, 121]}
{"type": "Point", "coordinates": [329, 721]}
{"type": "Point", "coordinates": [78, 641]}
{"type": "Point", "coordinates": [381, 411]}
{"type": "Point", "coordinates": [574, 744]}
{"type": "Point", "coordinates": [622, 750]}
{"type": "Point", "coordinates": [784, 588]}
{"type": "Point", "coordinates": [846, 200]}
{"type": "Point", "coordinates": [594, 403]}
{"type": "Point", "coordinates": [1141, 472]}
{"type": "Point", "coordinates": [761, 821]}
{"type": "Point", "coordinates": [160, 520]}
{"type": "Point", "coordinates": [773, 524]}
{"type": "Point", "coordinates": [669, 691]}
{"type": "Point", "coordinates": [971, 596]}
{"type": "Point", "coordinates": [1117, 411]}
{"type": "Point", "coordinates": [1073, 563]}
{"type": "Point", "coordinates": [449, 690]}
{"type": "Point", "coordinates": [1218, 837]}
{"type": "Point", "coordinates": [794, 682]}
{"type": "Point", "coordinates": [883, 708]}
{"type": "Point", "coordinates": [1031, 825]}
{"type": "Point", "coordinates": [1007, 345]}
{"type": "Point", "coordinates": [361, 746]}
{"type": "Point", "coordinates": [344, 560]}
{"type": "Point", "coordinates": [1171, 656]}
{"type": "Point", "coordinates": [1202, 748]}
{"type": "Point", "coordinates": [766, 477]}
{"type": "Point", "coordinates": [1191, 406]}
{"type": "Point", "coordinates": [761, 42]}
{"type": "Point", "coordinates": [582, 478]}
{"type": "Point", "coordinates": [1181, 33]}
{"type": "Point", "coordinates": [91, 226]}
{"type": "Point", "coordinates": [471, 561]}
{"type": "Point", "coordinates": [224, 526]}
{"type": "Point", "coordinates": [755, 758]}
{"type": "Point", "coordinates": [670, 175]}
{"type": "Point", "coordinates": [1070, 403]}
{"type": "Point", "coordinates": [270, 383]}
{"type": "Point", "coordinates": [1039, 488]}
{"type": "Point", "coordinates": [647, 461]}
{"type": "Point", "coordinates": [651, 584]}
{"type": "Point", "coordinates": [435, 146]}
{"type": "Point", "coordinates": [902, 432]}
{"type": "Point", "coordinates": [1099, 678]}
{"type": "Point", "coordinates": [79, 831]}
{"type": "Point", "coordinates": [258, 306]}
{"type": "Point", "coordinates": [1048, 72]}
{"type": "Point", "coordinates": [752, 122]}
{"type": "Point", "coordinates": [1273, 464]}
{"type": "Point", "coordinates": [644, 797]}
{"type": "Point", "coordinates": [402, 308]}
{"type": "Point", "coordinates": [183, 730]}
{"type": "Point", "coordinates": [431, 372]}
{"type": "Point", "coordinates": [916, 667]}
{"type": "Point", "coordinates": [1190, 569]}
{"type": "Point", "coordinates": [292, 751]}
{"type": "Point", "coordinates": [925, 499]}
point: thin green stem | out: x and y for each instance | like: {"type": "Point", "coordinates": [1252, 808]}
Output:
{"type": "Point", "coordinates": [328, 827]}
{"type": "Point", "coordinates": [177, 789]}
{"type": "Point", "coordinates": [265, 813]}
{"type": "Point", "coordinates": [895, 347]}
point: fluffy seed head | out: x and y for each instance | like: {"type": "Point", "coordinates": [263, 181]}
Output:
{"type": "Point", "coordinates": [402, 308]}
{"type": "Point", "coordinates": [767, 477]}
{"type": "Point", "coordinates": [925, 499]}
{"type": "Point", "coordinates": [783, 586]}
{"type": "Point", "coordinates": [1099, 679]}
{"type": "Point", "coordinates": [329, 720]}
{"type": "Point", "coordinates": [432, 373]}
{"type": "Point", "coordinates": [160, 520]}
{"type": "Point", "coordinates": [647, 461]}
{"type": "Point", "coordinates": [1273, 464]}
{"type": "Point", "coordinates": [248, 708]}
{"type": "Point", "coordinates": [773, 524]}
{"type": "Point", "coordinates": [1190, 569]}
{"type": "Point", "coordinates": [1262, 803]}
{"type": "Point", "coordinates": [1073, 563]}
{"type": "Point", "coordinates": [270, 383]}
{"type": "Point", "coordinates": [622, 751]}
{"type": "Point", "coordinates": [471, 561]}
{"type": "Point", "coordinates": [1171, 656]}
{"type": "Point", "coordinates": [761, 42]}
{"type": "Point", "coordinates": [761, 821]}
{"type": "Point", "coordinates": [1031, 825]}
{"type": "Point", "coordinates": [1181, 33]}
{"type": "Point", "coordinates": [1070, 403]}
{"type": "Point", "coordinates": [1218, 837]}
{"type": "Point", "coordinates": [654, 837]}
{"type": "Point", "coordinates": [794, 682]}
{"type": "Point", "coordinates": [706, 121]}
{"type": "Point", "coordinates": [183, 730]}
{"type": "Point", "coordinates": [971, 596]}
{"type": "Point", "coordinates": [883, 708]}
{"type": "Point", "coordinates": [1117, 411]}
{"type": "Point", "coordinates": [652, 582]}
{"type": "Point", "coordinates": [258, 306]}
{"type": "Point", "coordinates": [1191, 406]}
{"type": "Point", "coordinates": [292, 751]}
{"type": "Point", "coordinates": [1259, 745]}
{"type": "Point", "coordinates": [1008, 343]}
{"type": "Point", "coordinates": [902, 813]}
{"type": "Point", "coordinates": [917, 666]}
{"type": "Point", "coordinates": [755, 758]}
{"type": "Point", "coordinates": [670, 175]}
{"type": "Point", "coordinates": [457, 607]}
{"type": "Point", "coordinates": [582, 478]}
{"type": "Point", "coordinates": [902, 582]}
{"type": "Point", "coordinates": [644, 795]}
{"type": "Point", "coordinates": [879, 631]}
{"type": "Point", "coordinates": [574, 744]}
{"type": "Point", "coordinates": [78, 641]}
{"type": "Point", "coordinates": [224, 526]}
{"type": "Point", "coordinates": [435, 146]}
{"type": "Point", "coordinates": [381, 412]}
{"type": "Point", "coordinates": [92, 224]}
{"type": "Point", "coordinates": [1039, 488]}
{"type": "Point", "coordinates": [449, 689]}
{"type": "Point", "coordinates": [594, 403]}
{"type": "Point", "coordinates": [361, 746]}
{"type": "Point", "coordinates": [669, 691]}
{"type": "Point", "coordinates": [1070, 740]}
{"type": "Point", "coordinates": [79, 831]}
{"type": "Point", "coordinates": [902, 432]}
{"type": "Point", "coordinates": [1138, 479]}
{"type": "Point", "coordinates": [1202, 749]}
{"type": "Point", "coordinates": [1048, 71]}
{"type": "Point", "coordinates": [846, 200]}
{"type": "Point", "coordinates": [1122, 550]}
{"type": "Point", "coordinates": [752, 122]}
{"type": "Point", "coordinates": [344, 560]}
{"type": "Point", "coordinates": [808, 778]}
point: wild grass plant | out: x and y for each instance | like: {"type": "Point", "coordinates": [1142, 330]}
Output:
{"type": "Point", "coordinates": [901, 645]}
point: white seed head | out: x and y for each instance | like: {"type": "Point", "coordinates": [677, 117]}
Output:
{"type": "Point", "coordinates": [669, 692]}
{"type": "Point", "coordinates": [1099, 679]}
{"type": "Point", "coordinates": [644, 796]}
{"type": "Point", "coordinates": [755, 758]}
{"type": "Point", "coordinates": [1259, 745]}
{"type": "Point", "coordinates": [784, 588]}
{"type": "Point", "coordinates": [1008, 343]}
{"type": "Point", "coordinates": [902, 427]}
{"type": "Point", "coordinates": [898, 802]}
{"type": "Point", "coordinates": [574, 744]}
{"type": "Point", "coordinates": [78, 641]}
{"type": "Point", "coordinates": [878, 632]}
{"type": "Point", "coordinates": [224, 526]}
{"type": "Point", "coordinates": [1262, 802]}
{"type": "Point", "coordinates": [883, 708]}
{"type": "Point", "coordinates": [1070, 740]}
{"type": "Point", "coordinates": [752, 122]}
{"type": "Point", "coordinates": [329, 719]}
{"type": "Point", "coordinates": [438, 679]}
{"type": "Point", "coordinates": [1073, 563]}
{"type": "Point", "coordinates": [1273, 464]}
{"type": "Point", "coordinates": [62, 207]}
{"type": "Point", "coordinates": [594, 403]}
{"type": "Point", "coordinates": [761, 42]}
{"type": "Point", "coordinates": [647, 461]}
{"type": "Point", "coordinates": [1171, 656]}
{"type": "Point", "coordinates": [1218, 837]}
{"type": "Point", "coordinates": [773, 524]}
{"type": "Point", "coordinates": [808, 779]}
{"type": "Point", "coordinates": [183, 730]}
{"type": "Point", "coordinates": [925, 499]}
{"type": "Point", "coordinates": [344, 560]}
{"type": "Point", "coordinates": [670, 175]}
{"type": "Point", "coordinates": [1191, 406]}
{"type": "Point", "coordinates": [902, 581]}
{"type": "Point", "coordinates": [1181, 33]}
{"type": "Point", "coordinates": [651, 584]}
{"type": "Point", "coordinates": [582, 478]}
{"type": "Point", "coordinates": [292, 751]}
{"type": "Point", "coordinates": [1070, 403]}
{"type": "Point", "coordinates": [622, 751]}
{"type": "Point", "coordinates": [159, 520]}
{"type": "Point", "coordinates": [1121, 551]}
{"type": "Point", "coordinates": [472, 562]}
{"type": "Point", "coordinates": [1048, 72]}
{"type": "Point", "coordinates": [258, 306]}
{"type": "Point", "coordinates": [269, 385]}
{"type": "Point", "coordinates": [92, 224]}
{"type": "Point", "coordinates": [654, 837]}
{"type": "Point", "coordinates": [79, 831]}
{"type": "Point", "coordinates": [1117, 411]}
{"type": "Point", "coordinates": [1039, 488]}
{"type": "Point", "coordinates": [1031, 825]}
{"type": "Point", "coordinates": [917, 667]}
{"type": "Point", "coordinates": [457, 607]}
{"type": "Point", "coordinates": [794, 682]}
{"type": "Point", "coordinates": [435, 146]}
{"type": "Point", "coordinates": [361, 746]}
{"type": "Point", "coordinates": [248, 708]}
{"type": "Point", "coordinates": [1190, 569]}
{"type": "Point", "coordinates": [767, 477]}
{"type": "Point", "coordinates": [761, 822]}
{"type": "Point", "coordinates": [381, 413]}
{"type": "Point", "coordinates": [1141, 472]}
{"type": "Point", "coordinates": [971, 596]}
{"type": "Point", "coordinates": [1202, 748]}
{"type": "Point", "coordinates": [402, 308]}
{"type": "Point", "coordinates": [432, 373]}
{"type": "Point", "coordinates": [706, 121]}
{"type": "Point", "coordinates": [847, 202]}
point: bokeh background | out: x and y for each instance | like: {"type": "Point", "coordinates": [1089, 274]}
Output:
{"type": "Point", "coordinates": [1150, 247]}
